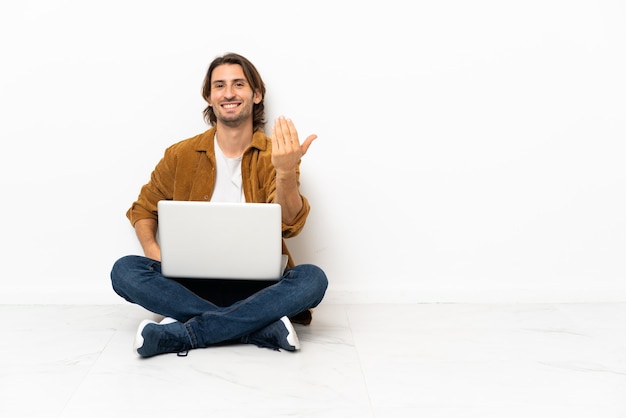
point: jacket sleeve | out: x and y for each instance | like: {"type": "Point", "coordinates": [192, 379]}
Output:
{"type": "Point", "coordinates": [297, 225]}
{"type": "Point", "coordinates": [158, 188]}
{"type": "Point", "coordinates": [293, 229]}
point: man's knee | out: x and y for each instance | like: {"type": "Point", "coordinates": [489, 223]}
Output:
{"type": "Point", "coordinates": [316, 280]}
{"type": "Point", "coordinates": [120, 270]}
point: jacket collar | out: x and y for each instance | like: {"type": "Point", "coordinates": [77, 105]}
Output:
{"type": "Point", "coordinates": [205, 141]}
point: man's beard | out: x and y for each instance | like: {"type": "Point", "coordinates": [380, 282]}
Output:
{"type": "Point", "coordinates": [235, 120]}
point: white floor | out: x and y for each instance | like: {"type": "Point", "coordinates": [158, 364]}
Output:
{"type": "Point", "coordinates": [356, 361]}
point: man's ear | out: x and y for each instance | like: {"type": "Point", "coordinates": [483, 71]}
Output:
{"type": "Point", "coordinates": [258, 97]}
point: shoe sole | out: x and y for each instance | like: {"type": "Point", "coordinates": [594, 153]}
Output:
{"type": "Point", "coordinates": [292, 337]}
{"type": "Point", "coordinates": [138, 343]}
{"type": "Point", "coordinates": [167, 320]}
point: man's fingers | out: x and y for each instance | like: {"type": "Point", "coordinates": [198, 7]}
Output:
{"type": "Point", "coordinates": [307, 142]}
{"type": "Point", "coordinates": [284, 135]}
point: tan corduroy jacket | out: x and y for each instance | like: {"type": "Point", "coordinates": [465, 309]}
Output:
{"type": "Point", "coordinates": [187, 172]}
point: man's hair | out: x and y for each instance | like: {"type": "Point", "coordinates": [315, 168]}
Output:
{"type": "Point", "coordinates": [252, 76]}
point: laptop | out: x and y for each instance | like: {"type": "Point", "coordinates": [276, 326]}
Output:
{"type": "Point", "coordinates": [218, 240]}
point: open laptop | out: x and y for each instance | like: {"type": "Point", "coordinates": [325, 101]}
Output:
{"type": "Point", "coordinates": [217, 240]}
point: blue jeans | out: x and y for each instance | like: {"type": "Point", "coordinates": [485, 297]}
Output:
{"type": "Point", "coordinates": [139, 280]}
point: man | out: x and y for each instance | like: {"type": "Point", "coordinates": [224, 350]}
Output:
{"type": "Point", "coordinates": [232, 161]}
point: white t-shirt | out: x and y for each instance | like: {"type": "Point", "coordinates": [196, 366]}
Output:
{"type": "Point", "coordinates": [228, 183]}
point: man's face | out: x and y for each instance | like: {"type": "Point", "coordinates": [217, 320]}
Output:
{"type": "Point", "coordinates": [232, 97]}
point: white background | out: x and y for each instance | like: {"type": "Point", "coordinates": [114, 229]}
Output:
{"type": "Point", "coordinates": [467, 150]}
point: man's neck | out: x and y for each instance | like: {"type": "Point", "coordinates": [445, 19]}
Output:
{"type": "Point", "coordinates": [233, 141]}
